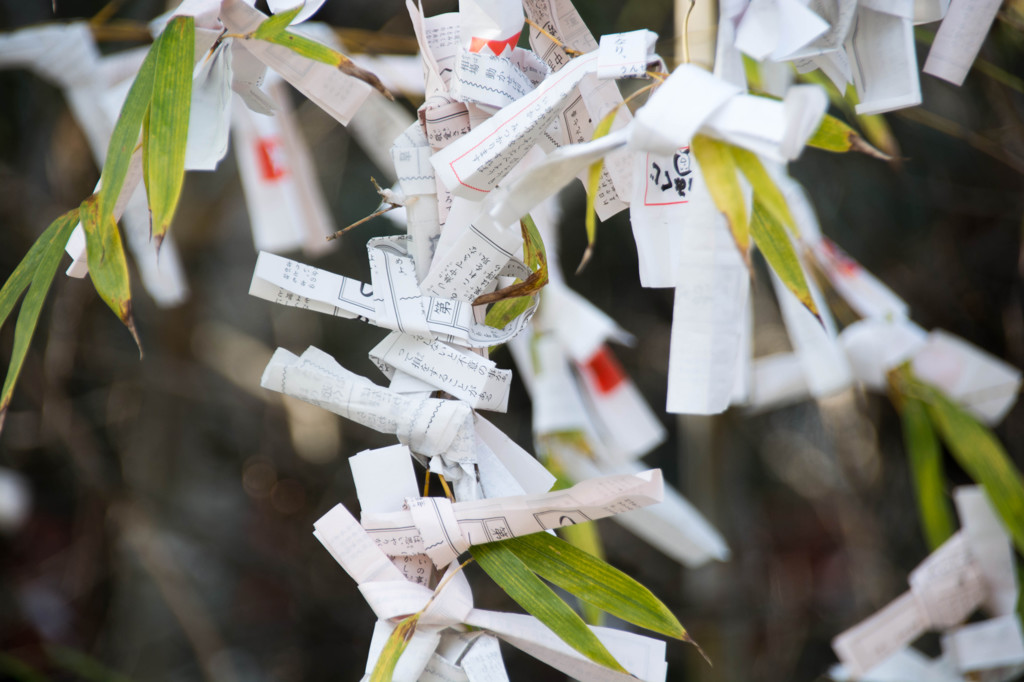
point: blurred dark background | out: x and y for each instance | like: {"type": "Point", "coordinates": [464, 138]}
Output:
{"type": "Point", "coordinates": [172, 500]}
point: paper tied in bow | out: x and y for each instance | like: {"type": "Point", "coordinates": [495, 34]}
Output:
{"type": "Point", "coordinates": [974, 568]}
{"type": "Point", "coordinates": [444, 613]}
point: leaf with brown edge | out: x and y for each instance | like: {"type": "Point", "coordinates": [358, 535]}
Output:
{"type": "Point", "coordinates": [593, 184]}
{"type": "Point", "coordinates": [35, 273]}
{"type": "Point", "coordinates": [539, 600]}
{"type": "Point", "coordinates": [774, 243]}
{"type": "Point", "coordinates": [835, 136]}
{"type": "Point", "coordinates": [166, 124]}
{"type": "Point", "coordinates": [107, 266]}
{"type": "Point", "coordinates": [395, 645]}
{"type": "Point", "coordinates": [718, 166]}
{"type": "Point", "coordinates": [535, 257]}
{"type": "Point", "coordinates": [318, 52]}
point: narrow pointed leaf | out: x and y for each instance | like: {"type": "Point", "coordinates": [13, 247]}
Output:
{"type": "Point", "coordinates": [167, 123]}
{"type": "Point", "coordinates": [41, 265]}
{"type": "Point", "coordinates": [535, 257]}
{"type": "Point", "coordinates": [984, 459]}
{"type": "Point", "coordinates": [593, 184]}
{"type": "Point", "coordinates": [125, 137]}
{"type": "Point", "coordinates": [595, 582]}
{"type": "Point", "coordinates": [718, 165]}
{"type": "Point", "coordinates": [765, 190]}
{"type": "Point", "coordinates": [318, 52]}
{"type": "Point", "coordinates": [926, 469]}
{"type": "Point", "coordinates": [585, 537]}
{"type": "Point", "coordinates": [107, 266]}
{"type": "Point", "coordinates": [277, 24]}
{"type": "Point", "coordinates": [530, 592]}
{"type": "Point", "coordinates": [774, 243]}
{"type": "Point", "coordinates": [835, 136]}
{"type": "Point", "coordinates": [397, 641]}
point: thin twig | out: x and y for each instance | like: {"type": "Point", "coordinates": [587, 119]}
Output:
{"type": "Point", "coordinates": [568, 50]}
{"type": "Point", "coordinates": [686, 32]}
{"type": "Point", "coordinates": [447, 490]}
{"type": "Point", "coordinates": [391, 205]}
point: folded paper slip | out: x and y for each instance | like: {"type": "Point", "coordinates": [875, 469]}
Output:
{"type": "Point", "coordinates": [443, 530]}
{"type": "Point", "coordinates": [428, 426]}
{"type": "Point", "coordinates": [392, 300]}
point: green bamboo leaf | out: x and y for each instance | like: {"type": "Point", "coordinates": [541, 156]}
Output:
{"type": "Point", "coordinates": [774, 243]}
{"type": "Point", "coordinates": [586, 538]}
{"type": "Point", "coordinates": [318, 52]}
{"type": "Point", "coordinates": [718, 165]}
{"type": "Point", "coordinates": [125, 137]}
{"type": "Point", "coordinates": [107, 266]}
{"type": "Point", "coordinates": [926, 468]}
{"type": "Point", "coordinates": [397, 641]}
{"type": "Point", "coordinates": [527, 590]}
{"type": "Point", "coordinates": [984, 459]}
{"type": "Point", "coordinates": [277, 24]}
{"type": "Point", "coordinates": [765, 190]}
{"type": "Point", "coordinates": [595, 582]}
{"type": "Point", "coordinates": [835, 136]}
{"type": "Point", "coordinates": [35, 272]}
{"type": "Point", "coordinates": [593, 183]}
{"type": "Point", "coordinates": [167, 123]}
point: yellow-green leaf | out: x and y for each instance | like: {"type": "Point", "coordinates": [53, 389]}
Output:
{"type": "Point", "coordinates": [835, 136]}
{"type": "Point", "coordinates": [530, 592]}
{"type": "Point", "coordinates": [984, 459]}
{"type": "Point", "coordinates": [395, 645]}
{"type": "Point", "coordinates": [595, 582]}
{"type": "Point", "coordinates": [277, 24]}
{"type": "Point", "coordinates": [926, 469]}
{"type": "Point", "coordinates": [774, 243]}
{"type": "Point", "coordinates": [125, 137]}
{"type": "Point", "coordinates": [718, 165]}
{"type": "Point", "coordinates": [35, 272]}
{"type": "Point", "coordinates": [107, 266]}
{"type": "Point", "coordinates": [593, 184]}
{"type": "Point", "coordinates": [167, 123]}
{"type": "Point", "coordinates": [766, 192]}
{"type": "Point", "coordinates": [318, 52]}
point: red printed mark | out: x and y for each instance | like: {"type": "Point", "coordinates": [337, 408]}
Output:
{"type": "Point", "coordinates": [271, 158]}
{"type": "Point", "coordinates": [497, 47]}
{"type": "Point", "coordinates": [606, 370]}
{"type": "Point", "coordinates": [842, 263]}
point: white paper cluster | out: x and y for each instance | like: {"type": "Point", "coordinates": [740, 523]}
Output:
{"type": "Point", "coordinates": [974, 568]}
{"type": "Point", "coordinates": [866, 43]}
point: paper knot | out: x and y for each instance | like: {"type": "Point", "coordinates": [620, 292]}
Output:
{"type": "Point", "coordinates": [436, 522]}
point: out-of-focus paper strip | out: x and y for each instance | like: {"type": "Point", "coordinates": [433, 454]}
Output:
{"type": "Point", "coordinates": [674, 526]}
{"type": "Point", "coordinates": [330, 89]}
{"type": "Point", "coordinates": [985, 385]}
{"type": "Point", "coordinates": [488, 520]}
{"type": "Point", "coordinates": [959, 39]}
{"type": "Point", "coordinates": [993, 643]}
{"type": "Point", "coordinates": [885, 60]}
